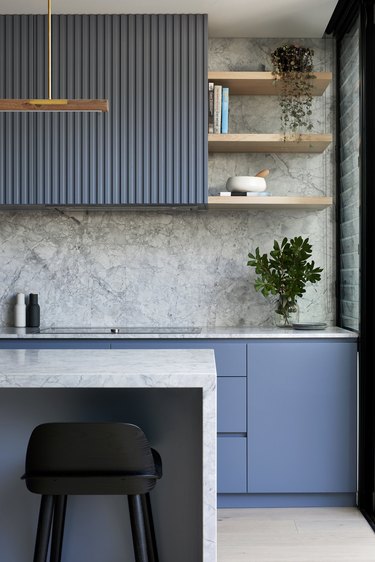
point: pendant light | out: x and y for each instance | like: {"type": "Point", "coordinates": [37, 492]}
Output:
{"type": "Point", "coordinates": [52, 104]}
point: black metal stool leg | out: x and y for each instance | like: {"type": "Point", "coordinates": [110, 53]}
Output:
{"type": "Point", "coordinates": [58, 528]}
{"type": "Point", "coordinates": [138, 528]}
{"type": "Point", "coordinates": [149, 527]}
{"type": "Point", "coordinates": [44, 529]}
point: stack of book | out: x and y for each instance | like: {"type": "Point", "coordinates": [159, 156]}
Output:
{"type": "Point", "coordinates": [218, 108]}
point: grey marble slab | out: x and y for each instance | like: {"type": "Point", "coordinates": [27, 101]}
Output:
{"type": "Point", "coordinates": [230, 332]}
{"type": "Point", "coordinates": [129, 369]}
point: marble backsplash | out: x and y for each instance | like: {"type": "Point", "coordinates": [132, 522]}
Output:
{"type": "Point", "coordinates": [179, 268]}
{"type": "Point", "coordinates": [129, 269]}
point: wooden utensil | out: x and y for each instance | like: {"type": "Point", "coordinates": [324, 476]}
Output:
{"type": "Point", "coordinates": [263, 173]}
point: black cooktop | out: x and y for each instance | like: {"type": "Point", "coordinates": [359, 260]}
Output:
{"type": "Point", "coordinates": [121, 330]}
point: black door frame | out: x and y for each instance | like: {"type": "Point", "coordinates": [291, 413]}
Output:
{"type": "Point", "coordinates": [345, 14]}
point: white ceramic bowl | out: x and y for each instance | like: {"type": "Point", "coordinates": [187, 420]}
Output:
{"type": "Point", "coordinates": [246, 183]}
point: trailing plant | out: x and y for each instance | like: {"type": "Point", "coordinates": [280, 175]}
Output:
{"type": "Point", "coordinates": [285, 273]}
{"type": "Point", "coordinates": [293, 67]}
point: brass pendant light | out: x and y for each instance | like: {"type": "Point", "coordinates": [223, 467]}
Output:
{"type": "Point", "coordinates": [52, 104]}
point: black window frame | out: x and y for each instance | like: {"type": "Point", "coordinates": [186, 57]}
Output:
{"type": "Point", "coordinates": [343, 18]}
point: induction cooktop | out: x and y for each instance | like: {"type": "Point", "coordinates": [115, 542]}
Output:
{"type": "Point", "coordinates": [123, 330]}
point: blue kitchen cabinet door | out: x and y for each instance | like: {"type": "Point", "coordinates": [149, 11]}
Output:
{"type": "Point", "coordinates": [151, 146]}
{"type": "Point", "coordinates": [302, 417]}
{"type": "Point", "coordinates": [231, 465]}
{"type": "Point", "coordinates": [231, 405]}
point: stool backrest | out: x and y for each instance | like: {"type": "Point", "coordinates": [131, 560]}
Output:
{"type": "Point", "coordinates": [94, 447]}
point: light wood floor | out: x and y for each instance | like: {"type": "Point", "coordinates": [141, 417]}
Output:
{"type": "Point", "coordinates": [294, 535]}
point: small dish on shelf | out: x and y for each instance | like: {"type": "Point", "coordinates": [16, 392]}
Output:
{"type": "Point", "coordinates": [309, 325]}
{"type": "Point", "coordinates": [246, 183]}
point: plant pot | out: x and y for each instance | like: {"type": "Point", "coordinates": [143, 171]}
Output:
{"type": "Point", "coordinates": [285, 313]}
{"type": "Point", "coordinates": [293, 59]}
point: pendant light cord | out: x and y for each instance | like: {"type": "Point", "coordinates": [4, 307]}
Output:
{"type": "Point", "coordinates": [50, 104]}
{"type": "Point", "coordinates": [49, 51]}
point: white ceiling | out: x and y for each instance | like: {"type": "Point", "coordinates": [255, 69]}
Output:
{"type": "Point", "coordinates": [227, 18]}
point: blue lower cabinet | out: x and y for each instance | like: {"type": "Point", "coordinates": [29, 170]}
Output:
{"type": "Point", "coordinates": [231, 405]}
{"type": "Point", "coordinates": [302, 417]}
{"type": "Point", "coordinates": [231, 464]}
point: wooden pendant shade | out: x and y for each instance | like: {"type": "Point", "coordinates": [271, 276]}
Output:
{"type": "Point", "coordinates": [51, 104]}
{"type": "Point", "coordinates": [15, 105]}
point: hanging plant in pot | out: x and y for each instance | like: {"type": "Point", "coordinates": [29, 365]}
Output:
{"type": "Point", "coordinates": [293, 67]}
{"type": "Point", "coordinates": [285, 274]}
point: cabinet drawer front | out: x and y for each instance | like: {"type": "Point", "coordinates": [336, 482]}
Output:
{"type": "Point", "coordinates": [231, 405]}
{"type": "Point", "coordinates": [231, 465]}
{"type": "Point", "coordinates": [230, 357]}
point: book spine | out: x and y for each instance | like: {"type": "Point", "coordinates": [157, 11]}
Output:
{"type": "Point", "coordinates": [210, 107]}
{"type": "Point", "coordinates": [217, 108]}
{"type": "Point", "coordinates": [225, 111]}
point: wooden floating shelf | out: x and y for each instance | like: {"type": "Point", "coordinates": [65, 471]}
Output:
{"type": "Point", "coordinates": [262, 83]}
{"type": "Point", "coordinates": [243, 203]}
{"type": "Point", "coordinates": [267, 143]}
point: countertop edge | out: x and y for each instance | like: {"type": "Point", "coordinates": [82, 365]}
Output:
{"type": "Point", "coordinates": [214, 333]}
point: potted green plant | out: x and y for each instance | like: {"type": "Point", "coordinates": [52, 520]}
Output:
{"type": "Point", "coordinates": [284, 274]}
{"type": "Point", "coordinates": [293, 68]}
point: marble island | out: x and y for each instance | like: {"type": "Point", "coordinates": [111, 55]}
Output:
{"type": "Point", "coordinates": [171, 393]}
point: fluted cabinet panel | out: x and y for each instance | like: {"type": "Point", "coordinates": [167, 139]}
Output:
{"type": "Point", "coordinates": [150, 148]}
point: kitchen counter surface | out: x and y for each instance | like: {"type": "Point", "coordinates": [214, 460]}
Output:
{"type": "Point", "coordinates": [253, 332]}
{"type": "Point", "coordinates": [142, 369]}
{"type": "Point", "coordinates": [107, 368]}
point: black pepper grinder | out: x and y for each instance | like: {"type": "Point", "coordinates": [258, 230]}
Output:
{"type": "Point", "coordinates": [33, 312]}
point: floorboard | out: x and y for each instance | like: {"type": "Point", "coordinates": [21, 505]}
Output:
{"type": "Point", "coordinates": [294, 535]}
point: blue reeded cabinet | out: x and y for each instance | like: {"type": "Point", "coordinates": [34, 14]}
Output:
{"type": "Point", "coordinates": [149, 149]}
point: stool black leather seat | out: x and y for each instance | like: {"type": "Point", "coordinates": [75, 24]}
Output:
{"type": "Point", "coordinates": [91, 458]}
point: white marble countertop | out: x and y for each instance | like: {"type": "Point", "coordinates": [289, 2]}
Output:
{"type": "Point", "coordinates": [243, 332]}
{"type": "Point", "coordinates": [106, 367]}
{"type": "Point", "coordinates": [129, 369]}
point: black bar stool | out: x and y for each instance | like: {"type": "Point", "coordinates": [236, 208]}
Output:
{"type": "Point", "coordinates": [91, 458]}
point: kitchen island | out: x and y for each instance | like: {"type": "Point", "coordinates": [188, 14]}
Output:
{"type": "Point", "coordinates": [171, 394]}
